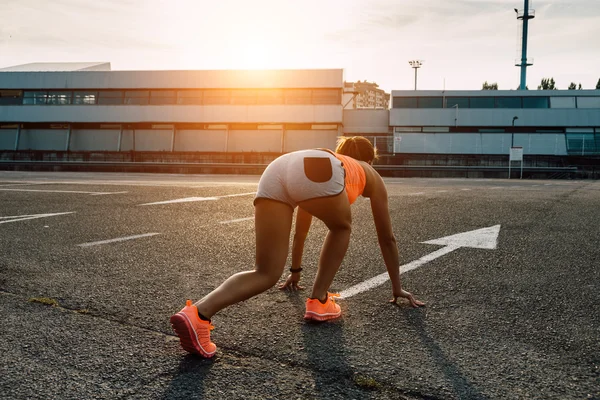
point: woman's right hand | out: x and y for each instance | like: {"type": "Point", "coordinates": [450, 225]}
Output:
{"type": "Point", "coordinates": [291, 282]}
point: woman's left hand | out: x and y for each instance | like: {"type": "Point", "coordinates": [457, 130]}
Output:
{"type": "Point", "coordinates": [291, 282]}
{"type": "Point", "coordinates": [407, 295]}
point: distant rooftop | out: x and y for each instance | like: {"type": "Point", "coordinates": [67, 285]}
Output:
{"type": "Point", "coordinates": [61, 66]}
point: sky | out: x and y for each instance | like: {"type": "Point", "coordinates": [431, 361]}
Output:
{"type": "Point", "coordinates": [462, 42]}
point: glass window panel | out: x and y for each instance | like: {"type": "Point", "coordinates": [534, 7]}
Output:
{"type": "Point", "coordinates": [10, 97]}
{"type": "Point", "coordinates": [110, 93]}
{"type": "Point", "coordinates": [34, 98]}
{"type": "Point", "coordinates": [297, 96]}
{"type": "Point", "coordinates": [190, 96]}
{"type": "Point", "coordinates": [508, 102]}
{"type": "Point", "coordinates": [535, 102]}
{"type": "Point", "coordinates": [84, 97]}
{"type": "Point", "coordinates": [161, 97]}
{"type": "Point", "coordinates": [462, 102]}
{"type": "Point", "coordinates": [481, 102]}
{"type": "Point", "coordinates": [430, 102]}
{"type": "Point", "coordinates": [217, 97]}
{"type": "Point", "coordinates": [58, 98]}
{"type": "Point", "coordinates": [326, 96]}
{"type": "Point", "coordinates": [110, 97]}
{"type": "Point", "coordinates": [404, 102]}
{"type": "Point", "coordinates": [162, 93]}
{"type": "Point", "coordinates": [269, 96]}
{"type": "Point", "coordinates": [243, 96]}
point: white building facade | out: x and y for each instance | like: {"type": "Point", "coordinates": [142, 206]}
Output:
{"type": "Point", "coordinates": [553, 122]}
{"type": "Point", "coordinates": [95, 109]}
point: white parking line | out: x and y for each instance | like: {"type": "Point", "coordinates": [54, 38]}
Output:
{"type": "Point", "coordinates": [17, 218]}
{"type": "Point", "coordinates": [121, 239]}
{"type": "Point", "coordinates": [60, 191]}
{"type": "Point", "coordinates": [236, 220]}
{"type": "Point", "coordinates": [415, 194]}
{"type": "Point", "coordinates": [466, 189]}
{"type": "Point", "coordinates": [191, 199]}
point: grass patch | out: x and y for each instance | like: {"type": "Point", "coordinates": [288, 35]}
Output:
{"type": "Point", "coordinates": [366, 382]}
{"type": "Point", "coordinates": [44, 300]}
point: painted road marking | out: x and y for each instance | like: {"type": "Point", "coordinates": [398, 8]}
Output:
{"type": "Point", "coordinates": [60, 191]}
{"type": "Point", "coordinates": [191, 199]}
{"type": "Point", "coordinates": [465, 189]}
{"type": "Point", "coordinates": [121, 239]}
{"type": "Point", "coordinates": [236, 220]}
{"type": "Point", "coordinates": [17, 218]}
{"type": "Point", "coordinates": [415, 194]}
{"type": "Point", "coordinates": [485, 238]}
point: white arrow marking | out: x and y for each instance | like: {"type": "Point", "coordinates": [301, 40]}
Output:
{"type": "Point", "coordinates": [190, 199]}
{"type": "Point", "coordinates": [485, 238]}
{"type": "Point", "coordinates": [31, 216]}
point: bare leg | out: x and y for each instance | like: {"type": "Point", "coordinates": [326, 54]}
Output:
{"type": "Point", "coordinates": [335, 213]}
{"type": "Point", "coordinates": [273, 224]}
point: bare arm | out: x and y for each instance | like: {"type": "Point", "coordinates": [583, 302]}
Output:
{"type": "Point", "coordinates": [385, 236]}
{"type": "Point", "coordinates": [303, 220]}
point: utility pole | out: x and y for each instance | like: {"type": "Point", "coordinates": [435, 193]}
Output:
{"type": "Point", "coordinates": [416, 64]}
{"type": "Point", "coordinates": [526, 14]}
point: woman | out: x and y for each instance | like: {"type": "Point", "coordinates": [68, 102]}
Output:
{"type": "Point", "coordinates": [323, 184]}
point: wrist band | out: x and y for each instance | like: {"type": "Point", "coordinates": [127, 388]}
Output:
{"type": "Point", "coordinates": [295, 270]}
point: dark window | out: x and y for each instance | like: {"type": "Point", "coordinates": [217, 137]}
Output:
{"type": "Point", "coordinates": [161, 97]}
{"type": "Point", "coordinates": [137, 97]}
{"type": "Point", "coordinates": [462, 102]}
{"type": "Point", "coordinates": [81, 97]}
{"type": "Point", "coordinates": [9, 97]}
{"type": "Point", "coordinates": [535, 102]}
{"type": "Point", "coordinates": [481, 102]}
{"type": "Point", "coordinates": [243, 96]}
{"type": "Point", "coordinates": [404, 102]}
{"type": "Point", "coordinates": [269, 96]}
{"type": "Point", "coordinates": [34, 98]}
{"type": "Point", "coordinates": [110, 97]}
{"type": "Point", "coordinates": [217, 97]}
{"type": "Point", "coordinates": [298, 96]}
{"type": "Point", "coordinates": [430, 102]}
{"type": "Point", "coordinates": [508, 102]}
{"type": "Point", "coordinates": [326, 96]}
{"type": "Point", "coordinates": [190, 97]}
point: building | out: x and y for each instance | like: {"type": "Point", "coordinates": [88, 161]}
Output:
{"type": "Point", "coordinates": [358, 95]}
{"type": "Point", "coordinates": [542, 122]}
{"type": "Point", "coordinates": [88, 107]}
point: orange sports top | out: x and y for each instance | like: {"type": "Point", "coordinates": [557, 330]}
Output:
{"type": "Point", "coordinates": [355, 179]}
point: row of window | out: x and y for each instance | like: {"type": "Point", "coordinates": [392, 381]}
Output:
{"type": "Point", "coordinates": [495, 102]}
{"type": "Point", "coordinates": [166, 97]}
{"type": "Point", "coordinates": [178, 126]}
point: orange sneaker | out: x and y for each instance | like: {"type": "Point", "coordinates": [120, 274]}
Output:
{"type": "Point", "coordinates": [317, 311]}
{"type": "Point", "coordinates": [194, 333]}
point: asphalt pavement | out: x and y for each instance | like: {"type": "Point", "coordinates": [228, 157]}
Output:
{"type": "Point", "coordinates": [92, 265]}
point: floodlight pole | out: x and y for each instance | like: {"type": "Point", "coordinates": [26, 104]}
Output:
{"type": "Point", "coordinates": [415, 64]}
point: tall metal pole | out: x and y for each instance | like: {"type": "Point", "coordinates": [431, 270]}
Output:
{"type": "Point", "coordinates": [415, 78]}
{"type": "Point", "coordinates": [416, 64]}
{"type": "Point", "coordinates": [527, 15]}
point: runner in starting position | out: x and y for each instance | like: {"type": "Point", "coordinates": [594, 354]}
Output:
{"type": "Point", "coordinates": [322, 184]}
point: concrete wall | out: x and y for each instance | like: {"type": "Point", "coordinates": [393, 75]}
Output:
{"type": "Point", "coordinates": [201, 140]}
{"type": "Point", "coordinates": [7, 139]}
{"type": "Point", "coordinates": [94, 140]}
{"type": "Point", "coordinates": [175, 113]}
{"type": "Point", "coordinates": [43, 139]}
{"type": "Point", "coordinates": [366, 122]}
{"type": "Point", "coordinates": [261, 140]}
{"type": "Point", "coordinates": [309, 139]}
{"type": "Point", "coordinates": [473, 143]}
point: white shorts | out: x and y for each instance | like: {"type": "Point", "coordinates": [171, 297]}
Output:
{"type": "Point", "coordinates": [301, 175]}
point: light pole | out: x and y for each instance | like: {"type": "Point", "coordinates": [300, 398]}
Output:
{"type": "Point", "coordinates": [416, 64]}
{"type": "Point", "coordinates": [512, 140]}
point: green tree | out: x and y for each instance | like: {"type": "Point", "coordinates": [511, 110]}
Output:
{"type": "Point", "coordinates": [547, 84]}
{"type": "Point", "coordinates": [598, 84]}
{"type": "Point", "coordinates": [489, 86]}
{"type": "Point", "coordinates": [580, 87]}
{"type": "Point", "coordinates": [572, 86]}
